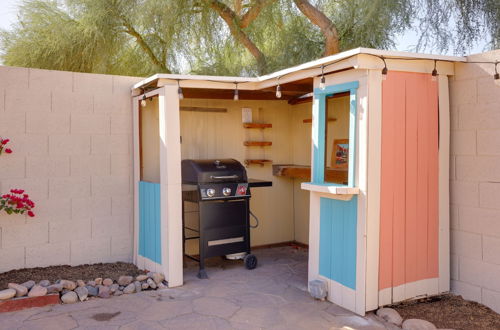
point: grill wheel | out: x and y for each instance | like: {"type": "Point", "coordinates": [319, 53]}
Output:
{"type": "Point", "coordinates": [250, 261]}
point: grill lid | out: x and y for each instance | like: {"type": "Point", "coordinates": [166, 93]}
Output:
{"type": "Point", "coordinates": [212, 170]}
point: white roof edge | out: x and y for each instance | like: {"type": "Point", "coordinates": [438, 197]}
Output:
{"type": "Point", "coordinates": [308, 65]}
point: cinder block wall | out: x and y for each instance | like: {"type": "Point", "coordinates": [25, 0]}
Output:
{"type": "Point", "coordinates": [71, 135]}
{"type": "Point", "coordinates": [475, 181]}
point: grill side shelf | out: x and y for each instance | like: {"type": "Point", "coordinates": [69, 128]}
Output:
{"type": "Point", "coordinates": [254, 183]}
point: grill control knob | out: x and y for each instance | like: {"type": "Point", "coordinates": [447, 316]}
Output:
{"type": "Point", "coordinates": [210, 192]}
{"type": "Point", "coordinates": [226, 191]}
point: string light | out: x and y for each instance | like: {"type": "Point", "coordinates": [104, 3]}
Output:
{"type": "Point", "coordinates": [278, 89]}
{"type": "Point", "coordinates": [384, 70]}
{"type": "Point", "coordinates": [434, 72]}
{"type": "Point", "coordinates": [322, 83]}
{"type": "Point", "coordinates": [496, 76]}
{"type": "Point", "coordinates": [143, 101]}
{"type": "Point", "coordinates": [236, 96]}
{"type": "Point", "coordinates": [179, 90]}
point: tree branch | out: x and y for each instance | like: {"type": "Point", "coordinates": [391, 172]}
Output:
{"type": "Point", "coordinates": [253, 12]}
{"type": "Point", "coordinates": [328, 29]}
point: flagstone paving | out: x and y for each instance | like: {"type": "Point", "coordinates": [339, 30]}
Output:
{"type": "Point", "coordinates": [272, 296]}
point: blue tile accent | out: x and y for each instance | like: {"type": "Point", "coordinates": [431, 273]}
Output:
{"type": "Point", "coordinates": [337, 240]}
{"type": "Point", "coordinates": [319, 127]}
{"type": "Point", "coordinates": [149, 221]}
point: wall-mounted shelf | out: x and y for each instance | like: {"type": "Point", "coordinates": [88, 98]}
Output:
{"type": "Point", "coordinates": [309, 120]}
{"type": "Point", "coordinates": [257, 125]}
{"type": "Point", "coordinates": [304, 172]}
{"type": "Point", "coordinates": [260, 162]}
{"type": "Point", "coordinates": [257, 143]}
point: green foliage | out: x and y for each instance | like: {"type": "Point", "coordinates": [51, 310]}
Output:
{"type": "Point", "coordinates": [143, 37]}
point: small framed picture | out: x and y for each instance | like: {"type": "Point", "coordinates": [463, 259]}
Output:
{"type": "Point", "coordinates": [340, 154]}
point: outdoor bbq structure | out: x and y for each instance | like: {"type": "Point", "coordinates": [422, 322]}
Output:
{"type": "Point", "coordinates": [356, 146]}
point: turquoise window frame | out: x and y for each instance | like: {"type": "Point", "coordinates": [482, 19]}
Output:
{"type": "Point", "coordinates": [319, 130]}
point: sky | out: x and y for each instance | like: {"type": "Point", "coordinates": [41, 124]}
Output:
{"type": "Point", "coordinates": [404, 42]}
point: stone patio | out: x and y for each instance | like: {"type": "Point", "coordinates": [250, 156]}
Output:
{"type": "Point", "coordinates": [272, 296]}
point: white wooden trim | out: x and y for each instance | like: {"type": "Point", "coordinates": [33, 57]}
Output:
{"type": "Point", "coordinates": [170, 185]}
{"type": "Point", "coordinates": [149, 265]}
{"type": "Point", "coordinates": [334, 190]}
{"type": "Point", "coordinates": [136, 178]}
{"type": "Point", "coordinates": [444, 185]}
{"type": "Point", "coordinates": [385, 297]}
{"type": "Point", "coordinates": [373, 187]}
{"type": "Point", "coordinates": [414, 290]}
{"type": "Point", "coordinates": [341, 295]}
{"type": "Point", "coordinates": [313, 263]}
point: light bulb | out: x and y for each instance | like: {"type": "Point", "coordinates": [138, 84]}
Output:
{"type": "Point", "coordinates": [278, 92]}
{"type": "Point", "coordinates": [384, 73]}
{"type": "Point", "coordinates": [236, 96]}
{"type": "Point", "coordinates": [179, 92]}
{"type": "Point", "coordinates": [434, 75]}
{"type": "Point", "coordinates": [322, 83]}
{"type": "Point", "coordinates": [143, 101]}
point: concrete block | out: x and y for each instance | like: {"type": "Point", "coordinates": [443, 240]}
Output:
{"type": "Point", "coordinates": [453, 171]}
{"type": "Point", "coordinates": [454, 221]}
{"type": "Point", "coordinates": [478, 168]}
{"type": "Point", "coordinates": [116, 144]}
{"type": "Point", "coordinates": [487, 90]}
{"type": "Point", "coordinates": [58, 209]}
{"type": "Point", "coordinates": [466, 244]}
{"type": "Point", "coordinates": [32, 144]}
{"type": "Point", "coordinates": [471, 71]}
{"type": "Point", "coordinates": [66, 231]}
{"type": "Point", "coordinates": [75, 102]}
{"type": "Point", "coordinates": [467, 291]}
{"type": "Point", "coordinates": [122, 205]}
{"type": "Point", "coordinates": [111, 226]}
{"type": "Point", "coordinates": [491, 299]}
{"type": "Point", "coordinates": [463, 142]}
{"type": "Point", "coordinates": [25, 234]}
{"type": "Point", "coordinates": [69, 187]}
{"type": "Point", "coordinates": [479, 116]}
{"type": "Point", "coordinates": [489, 193]}
{"type": "Point", "coordinates": [14, 77]}
{"type": "Point", "coordinates": [93, 83]}
{"type": "Point", "coordinates": [122, 85]}
{"type": "Point", "coordinates": [121, 124]}
{"type": "Point", "coordinates": [47, 123]}
{"type": "Point", "coordinates": [103, 103]}
{"type": "Point", "coordinates": [110, 185]}
{"type": "Point", "coordinates": [480, 220]}
{"type": "Point", "coordinates": [471, 271]}
{"type": "Point", "coordinates": [122, 247]}
{"type": "Point", "coordinates": [454, 267]}
{"type": "Point", "coordinates": [69, 144]}
{"type": "Point", "coordinates": [87, 165]}
{"type": "Point", "coordinates": [90, 251]}
{"type": "Point", "coordinates": [48, 255]}
{"type": "Point", "coordinates": [491, 249]}
{"type": "Point", "coordinates": [89, 124]}
{"type": "Point", "coordinates": [12, 166]}
{"type": "Point", "coordinates": [12, 123]}
{"type": "Point", "coordinates": [121, 165]}
{"type": "Point", "coordinates": [91, 207]}
{"type": "Point", "coordinates": [464, 193]}
{"type": "Point", "coordinates": [47, 167]}
{"type": "Point", "coordinates": [2, 100]}
{"type": "Point", "coordinates": [463, 92]}
{"type": "Point", "coordinates": [488, 142]}
{"type": "Point", "coordinates": [37, 188]}
{"type": "Point", "coordinates": [17, 100]}
{"type": "Point", "coordinates": [50, 80]}
{"type": "Point", "coordinates": [12, 258]}
{"type": "Point", "coordinates": [490, 275]}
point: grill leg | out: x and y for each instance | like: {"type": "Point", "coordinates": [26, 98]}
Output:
{"type": "Point", "coordinates": [202, 274]}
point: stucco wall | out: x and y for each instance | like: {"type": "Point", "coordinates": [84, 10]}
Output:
{"type": "Point", "coordinates": [71, 136]}
{"type": "Point", "coordinates": [475, 181]}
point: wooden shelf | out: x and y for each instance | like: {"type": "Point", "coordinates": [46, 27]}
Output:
{"type": "Point", "coordinates": [260, 162]}
{"type": "Point", "coordinates": [309, 120]}
{"type": "Point", "coordinates": [304, 173]}
{"type": "Point", "coordinates": [257, 143]}
{"type": "Point", "coordinates": [257, 125]}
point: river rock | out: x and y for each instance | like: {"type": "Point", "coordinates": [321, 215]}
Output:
{"type": "Point", "coordinates": [417, 324]}
{"type": "Point", "coordinates": [80, 283]}
{"type": "Point", "coordinates": [104, 291]}
{"type": "Point", "coordinates": [37, 291]}
{"type": "Point", "coordinates": [138, 286]}
{"type": "Point", "coordinates": [141, 277]}
{"type": "Point", "coordinates": [118, 293]}
{"type": "Point", "coordinates": [145, 285]}
{"type": "Point", "coordinates": [98, 281]}
{"type": "Point", "coordinates": [390, 315]}
{"type": "Point", "coordinates": [161, 285]}
{"type": "Point", "coordinates": [125, 280]}
{"type": "Point", "coordinates": [82, 293]}
{"type": "Point", "coordinates": [91, 283]}
{"type": "Point", "coordinates": [107, 282]}
{"type": "Point", "coordinates": [129, 288]}
{"type": "Point", "coordinates": [92, 290]}
{"type": "Point", "coordinates": [7, 294]}
{"type": "Point", "coordinates": [68, 285]}
{"type": "Point", "coordinates": [151, 283]}
{"type": "Point", "coordinates": [44, 283]}
{"type": "Point", "coordinates": [69, 298]}
{"type": "Point", "coordinates": [113, 288]}
{"type": "Point", "coordinates": [158, 277]}
{"type": "Point", "coordinates": [21, 290]}
{"type": "Point", "coordinates": [55, 288]}
{"type": "Point", "coordinates": [28, 284]}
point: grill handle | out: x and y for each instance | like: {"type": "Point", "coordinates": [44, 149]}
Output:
{"type": "Point", "coordinates": [224, 177]}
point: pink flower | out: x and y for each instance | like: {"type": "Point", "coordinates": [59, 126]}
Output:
{"type": "Point", "coordinates": [8, 151]}
{"type": "Point", "coordinates": [5, 141]}
{"type": "Point", "coordinates": [31, 214]}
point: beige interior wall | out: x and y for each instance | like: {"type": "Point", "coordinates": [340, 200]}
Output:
{"type": "Point", "coordinates": [150, 141]}
{"type": "Point", "coordinates": [338, 108]}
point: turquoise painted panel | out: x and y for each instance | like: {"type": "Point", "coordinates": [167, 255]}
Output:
{"type": "Point", "coordinates": [319, 127]}
{"type": "Point", "coordinates": [338, 240]}
{"type": "Point", "coordinates": [149, 221]}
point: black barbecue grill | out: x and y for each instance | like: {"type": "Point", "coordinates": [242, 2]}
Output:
{"type": "Point", "coordinates": [222, 191]}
